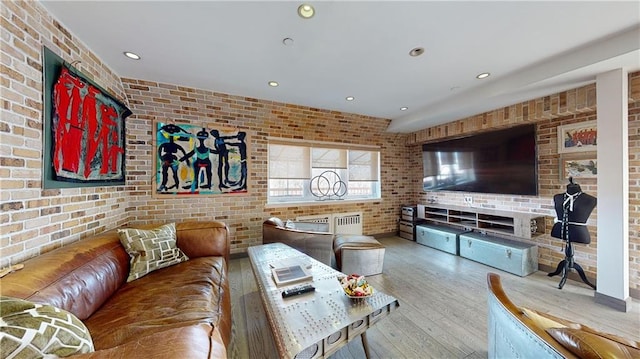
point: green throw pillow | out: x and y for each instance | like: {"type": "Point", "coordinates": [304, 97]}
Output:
{"type": "Point", "coordinates": [151, 249]}
{"type": "Point", "coordinates": [29, 330]}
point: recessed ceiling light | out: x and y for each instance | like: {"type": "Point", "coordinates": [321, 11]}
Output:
{"type": "Point", "coordinates": [131, 55]}
{"type": "Point", "coordinates": [350, 98]}
{"type": "Point", "coordinates": [416, 51]}
{"type": "Point", "coordinates": [403, 108]}
{"type": "Point", "coordinates": [273, 84]}
{"type": "Point", "coordinates": [287, 41]}
{"type": "Point", "coordinates": [306, 11]}
{"type": "Point", "coordinates": [483, 75]}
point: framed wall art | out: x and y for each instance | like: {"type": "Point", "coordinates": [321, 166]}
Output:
{"type": "Point", "coordinates": [583, 166]}
{"type": "Point", "coordinates": [578, 137]}
{"type": "Point", "coordinates": [197, 160]}
{"type": "Point", "coordinates": [84, 129]}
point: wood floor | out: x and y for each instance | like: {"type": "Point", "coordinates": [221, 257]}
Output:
{"type": "Point", "coordinates": [443, 307]}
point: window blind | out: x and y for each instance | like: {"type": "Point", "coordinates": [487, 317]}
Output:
{"type": "Point", "coordinates": [363, 166]}
{"type": "Point", "coordinates": [289, 162]}
{"type": "Point", "coordinates": [328, 158]}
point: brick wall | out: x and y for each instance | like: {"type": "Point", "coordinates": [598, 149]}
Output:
{"type": "Point", "coordinates": [33, 220]}
{"type": "Point", "coordinates": [259, 119]}
{"type": "Point", "coordinates": [549, 112]}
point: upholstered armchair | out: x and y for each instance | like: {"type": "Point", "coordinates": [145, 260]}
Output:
{"type": "Point", "coordinates": [313, 239]}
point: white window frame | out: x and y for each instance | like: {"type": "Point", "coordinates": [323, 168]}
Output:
{"type": "Point", "coordinates": [365, 185]}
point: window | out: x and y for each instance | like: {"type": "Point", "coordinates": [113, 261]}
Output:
{"type": "Point", "coordinates": [304, 172]}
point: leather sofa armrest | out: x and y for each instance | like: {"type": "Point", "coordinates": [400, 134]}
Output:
{"type": "Point", "coordinates": [203, 239]}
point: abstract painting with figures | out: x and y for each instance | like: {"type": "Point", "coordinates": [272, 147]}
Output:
{"type": "Point", "coordinates": [199, 160]}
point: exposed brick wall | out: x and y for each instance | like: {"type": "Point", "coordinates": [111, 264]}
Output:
{"type": "Point", "coordinates": [33, 220]}
{"type": "Point", "coordinates": [549, 112]}
{"type": "Point", "coordinates": [259, 119]}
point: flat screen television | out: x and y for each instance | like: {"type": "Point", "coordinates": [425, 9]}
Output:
{"type": "Point", "coordinates": [502, 161]}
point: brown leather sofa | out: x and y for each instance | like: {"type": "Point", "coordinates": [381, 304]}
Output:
{"type": "Point", "coordinates": [518, 332]}
{"type": "Point", "coordinates": [304, 237]}
{"type": "Point", "coordinates": [182, 311]}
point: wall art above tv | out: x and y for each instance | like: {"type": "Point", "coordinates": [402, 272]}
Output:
{"type": "Point", "coordinates": [502, 161]}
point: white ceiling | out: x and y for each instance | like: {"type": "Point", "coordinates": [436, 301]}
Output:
{"type": "Point", "coordinates": [361, 49]}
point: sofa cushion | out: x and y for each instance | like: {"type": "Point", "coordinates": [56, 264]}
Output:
{"type": "Point", "coordinates": [151, 250]}
{"type": "Point", "coordinates": [546, 321]}
{"type": "Point", "coordinates": [615, 338]}
{"type": "Point", "coordinates": [587, 345]}
{"type": "Point", "coordinates": [190, 342]}
{"type": "Point", "coordinates": [182, 295]}
{"type": "Point", "coordinates": [78, 277]}
{"type": "Point", "coordinates": [30, 330]}
{"type": "Point", "coordinates": [204, 239]}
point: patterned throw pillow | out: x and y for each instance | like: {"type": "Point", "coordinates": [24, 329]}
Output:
{"type": "Point", "coordinates": [29, 330]}
{"type": "Point", "coordinates": [151, 249]}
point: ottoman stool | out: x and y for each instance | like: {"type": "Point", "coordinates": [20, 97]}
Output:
{"type": "Point", "coordinates": [358, 254]}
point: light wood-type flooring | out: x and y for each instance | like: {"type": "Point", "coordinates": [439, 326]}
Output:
{"type": "Point", "coordinates": [443, 307]}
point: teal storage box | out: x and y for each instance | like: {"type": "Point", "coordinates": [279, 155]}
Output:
{"type": "Point", "coordinates": [439, 237]}
{"type": "Point", "coordinates": [511, 256]}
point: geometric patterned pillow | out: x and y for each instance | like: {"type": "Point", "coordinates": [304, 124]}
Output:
{"type": "Point", "coordinates": [151, 249]}
{"type": "Point", "coordinates": [29, 330]}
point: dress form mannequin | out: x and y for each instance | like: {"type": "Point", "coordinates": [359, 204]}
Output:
{"type": "Point", "coordinates": [573, 208]}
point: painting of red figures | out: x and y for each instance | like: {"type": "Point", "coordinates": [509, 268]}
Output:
{"type": "Point", "coordinates": [578, 137]}
{"type": "Point", "coordinates": [199, 160]}
{"type": "Point", "coordinates": [85, 130]}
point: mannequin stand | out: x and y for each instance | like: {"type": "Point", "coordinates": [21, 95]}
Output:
{"type": "Point", "coordinates": [566, 265]}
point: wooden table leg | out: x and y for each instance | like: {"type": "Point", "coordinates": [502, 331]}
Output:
{"type": "Point", "coordinates": [365, 344]}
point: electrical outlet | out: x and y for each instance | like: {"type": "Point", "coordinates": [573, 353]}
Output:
{"type": "Point", "coordinates": [468, 200]}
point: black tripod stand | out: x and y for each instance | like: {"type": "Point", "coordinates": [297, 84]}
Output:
{"type": "Point", "coordinates": [566, 265]}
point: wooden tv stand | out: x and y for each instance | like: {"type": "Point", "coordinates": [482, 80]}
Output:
{"type": "Point", "coordinates": [486, 247]}
{"type": "Point", "coordinates": [486, 220]}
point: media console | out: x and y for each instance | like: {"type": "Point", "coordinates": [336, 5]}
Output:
{"type": "Point", "coordinates": [454, 229]}
{"type": "Point", "coordinates": [486, 220]}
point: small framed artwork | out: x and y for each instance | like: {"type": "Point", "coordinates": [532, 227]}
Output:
{"type": "Point", "coordinates": [584, 166]}
{"type": "Point", "coordinates": [578, 137]}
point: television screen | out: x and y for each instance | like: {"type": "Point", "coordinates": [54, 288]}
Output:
{"type": "Point", "coordinates": [502, 161]}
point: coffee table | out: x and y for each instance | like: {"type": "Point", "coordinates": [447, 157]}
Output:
{"type": "Point", "coordinates": [315, 324]}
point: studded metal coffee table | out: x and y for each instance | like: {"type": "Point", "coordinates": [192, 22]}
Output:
{"type": "Point", "coordinates": [315, 324]}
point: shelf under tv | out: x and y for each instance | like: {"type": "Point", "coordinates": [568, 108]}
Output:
{"type": "Point", "coordinates": [516, 224]}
